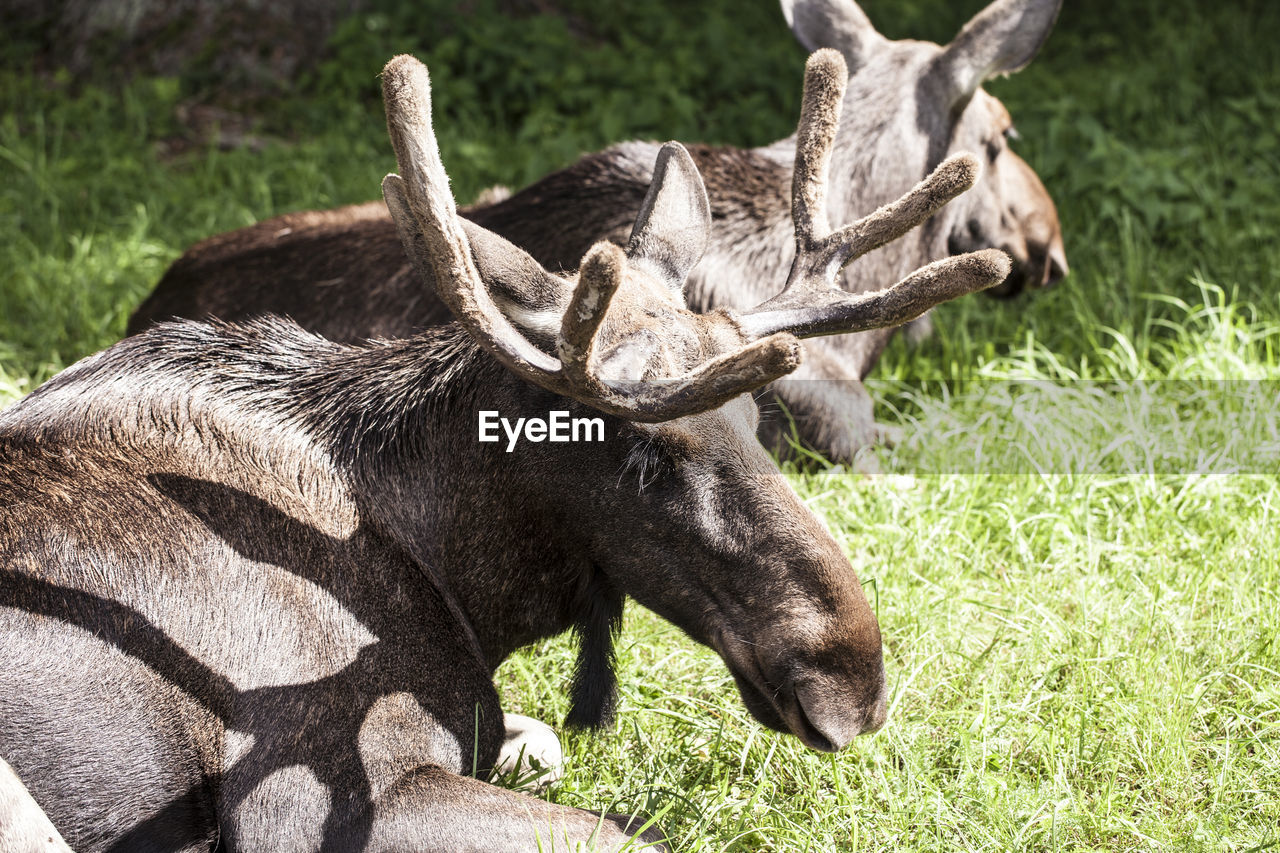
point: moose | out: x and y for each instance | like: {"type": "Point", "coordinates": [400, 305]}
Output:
{"type": "Point", "coordinates": [343, 274]}
{"type": "Point", "coordinates": [254, 583]}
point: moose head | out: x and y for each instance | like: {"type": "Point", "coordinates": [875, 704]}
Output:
{"type": "Point", "coordinates": [715, 540]}
{"type": "Point", "coordinates": [914, 101]}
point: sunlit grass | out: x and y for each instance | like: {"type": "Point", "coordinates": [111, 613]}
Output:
{"type": "Point", "coordinates": [1075, 663]}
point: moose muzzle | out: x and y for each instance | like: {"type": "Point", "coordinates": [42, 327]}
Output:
{"type": "Point", "coordinates": [826, 694]}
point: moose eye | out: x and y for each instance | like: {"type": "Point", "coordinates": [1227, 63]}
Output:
{"type": "Point", "coordinates": [648, 459]}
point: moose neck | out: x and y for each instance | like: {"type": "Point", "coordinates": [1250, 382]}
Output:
{"type": "Point", "coordinates": [380, 438]}
{"type": "Point", "coordinates": [405, 422]}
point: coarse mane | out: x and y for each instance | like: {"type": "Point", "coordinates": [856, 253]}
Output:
{"type": "Point", "coordinates": [252, 403]}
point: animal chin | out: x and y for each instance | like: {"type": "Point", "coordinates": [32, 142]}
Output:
{"type": "Point", "coordinates": [1036, 272]}
{"type": "Point", "coordinates": [759, 701]}
{"type": "Point", "coordinates": [1009, 288]}
{"type": "Point", "coordinates": [783, 708]}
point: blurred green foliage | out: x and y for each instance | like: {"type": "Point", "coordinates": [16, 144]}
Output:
{"type": "Point", "coordinates": [518, 96]}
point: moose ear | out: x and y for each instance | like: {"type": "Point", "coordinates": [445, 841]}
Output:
{"type": "Point", "coordinates": [674, 224]}
{"type": "Point", "coordinates": [840, 24]}
{"type": "Point", "coordinates": [1001, 39]}
{"type": "Point", "coordinates": [524, 291]}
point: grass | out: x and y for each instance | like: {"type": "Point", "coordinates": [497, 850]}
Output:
{"type": "Point", "coordinates": [1075, 664]}
{"type": "Point", "coordinates": [1080, 623]}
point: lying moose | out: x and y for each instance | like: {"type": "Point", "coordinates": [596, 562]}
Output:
{"type": "Point", "coordinates": [254, 583]}
{"type": "Point", "coordinates": [343, 274]}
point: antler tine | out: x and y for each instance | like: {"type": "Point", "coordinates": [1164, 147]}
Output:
{"type": "Point", "coordinates": [825, 79]}
{"type": "Point", "coordinates": [811, 304]}
{"type": "Point", "coordinates": [406, 92]}
{"type": "Point", "coordinates": [952, 177]}
{"type": "Point", "coordinates": [426, 217]}
{"type": "Point", "coordinates": [835, 312]}
{"type": "Point", "coordinates": [714, 382]}
{"type": "Point", "coordinates": [598, 280]}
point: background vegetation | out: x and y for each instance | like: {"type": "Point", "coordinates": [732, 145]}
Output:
{"type": "Point", "coordinates": [1081, 656]}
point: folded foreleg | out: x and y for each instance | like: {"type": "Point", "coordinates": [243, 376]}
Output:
{"type": "Point", "coordinates": [433, 809]}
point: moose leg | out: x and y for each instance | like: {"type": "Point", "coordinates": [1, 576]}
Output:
{"type": "Point", "coordinates": [530, 746]}
{"type": "Point", "coordinates": [433, 809]}
{"type": "Point", "coordinates": [832, 416]}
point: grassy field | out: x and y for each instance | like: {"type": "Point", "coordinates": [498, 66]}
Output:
{"type": "Point", "coordinates": [1080, 597]}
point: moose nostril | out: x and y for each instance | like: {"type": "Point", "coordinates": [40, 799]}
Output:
{"type": "Point", "coordinates": [828, 718]}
